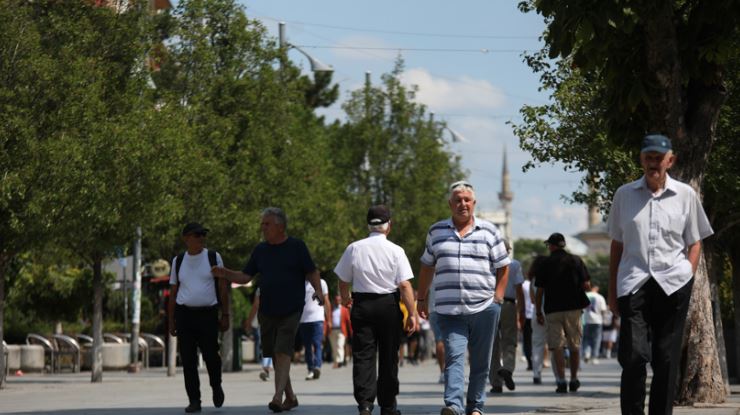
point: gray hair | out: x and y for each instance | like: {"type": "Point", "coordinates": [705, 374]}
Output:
{"type": "Point", "coordinates": [383, 227]}
{"type": "Point", "coordinates": [276, 213]}
{"type": "Point", "coordinates": [459, 186]}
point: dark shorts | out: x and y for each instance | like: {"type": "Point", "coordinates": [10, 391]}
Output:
{"type": "Point", "coordinates": [278, 333]}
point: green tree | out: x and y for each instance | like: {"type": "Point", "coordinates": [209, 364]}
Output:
{"type": "Point", "coordinates": [650, 67]}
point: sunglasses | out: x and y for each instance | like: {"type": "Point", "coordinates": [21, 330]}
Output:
{"type": "Point", "coordinates": [460, 184]}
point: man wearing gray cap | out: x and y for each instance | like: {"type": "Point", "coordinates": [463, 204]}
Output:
{"type": "Point", "coordinates": [378, 271]}
{"type": "Point", "coordinates": [656, 224]}
{"type": "Point", "coordinates": [562, 278]}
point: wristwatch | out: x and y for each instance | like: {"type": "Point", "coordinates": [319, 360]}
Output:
{"type": "Point", "coordinates": [498, 301]}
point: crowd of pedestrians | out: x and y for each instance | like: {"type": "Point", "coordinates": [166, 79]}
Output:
{"type": "Point", "coordinates": [473, 305]}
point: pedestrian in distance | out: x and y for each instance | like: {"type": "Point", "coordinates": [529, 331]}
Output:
{"type": "Point", "coordinates": [282, 264]}
{"type": "Point", "coordinates": [193, 313]}
{"type": "Point", "coordinates": [466, 264]}
{"type": "Point", "coordinates": [656, 224]}
{"type": "Point", "coordinates": [503, 356]}
{"type": "Point", "coordinates": [563, 278]}
{"type": "Point", "coordinates": [378, 273]}
{"type": "Point", "coordinates": [315, 320]}
{"type": "Point", "coordinates": [593, 320]}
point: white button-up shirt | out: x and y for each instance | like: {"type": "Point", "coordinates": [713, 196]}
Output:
{"type": "Point", "coordinates": [374, 265]}
{"type": "Point", "coordinates": [464, 265]}
{"type": "Point", "coordinates": [656, 230]}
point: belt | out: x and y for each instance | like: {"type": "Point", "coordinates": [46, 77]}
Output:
{"type": "Point", "coordinates": [509, 300]}
{"type": "Point", "coordinates": [203, 308]}
{"type": "Point", "coordinates": [370, 296]}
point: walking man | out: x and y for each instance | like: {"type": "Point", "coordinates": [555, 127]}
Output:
{"type": "Point", "coordinates": [378, 271]}
{"type": "Point", "coordinates": [562, 277]}
{"type": "Point", "coordinates": [283, 264]}
{"type": "Point", "coordinates": [656, 224]}
{"type": "Point", "coordinates": [593, 319]}
{"type": "Point", "coordinates": [503, 357]}
{"type": "Point", "coordinates": [311, 329]}
{"type": "Point", "coordinates": [466, 264]}
{"type": "Point", "coordinates": [193, 313]}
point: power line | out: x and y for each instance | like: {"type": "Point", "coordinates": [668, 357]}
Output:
{"type": "Point", "coordinates": [401, 49]}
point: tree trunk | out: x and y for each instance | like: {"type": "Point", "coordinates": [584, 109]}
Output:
{"type": "Point", "coordinates": [97, 326]}
{"type": "Point", "coordinates": [715, 269]}
{"type": "Point", "coordinates": [734, 254]}
{"type": "Point", "coordinates": [227, 342]}
{"type": "Point", "coordinates": [3, 268]}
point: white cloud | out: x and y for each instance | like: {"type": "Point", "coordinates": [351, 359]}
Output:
{"type": "Point", "coordinates": [448, 94]}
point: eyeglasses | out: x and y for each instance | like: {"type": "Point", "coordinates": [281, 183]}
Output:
{"type": "Point", "coordinates": [460, 184]}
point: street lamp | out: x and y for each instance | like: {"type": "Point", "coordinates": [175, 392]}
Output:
{"type": "Point", "coordinates": [456, 136]}
{"type": "Point", "coordinates": [316, 65]}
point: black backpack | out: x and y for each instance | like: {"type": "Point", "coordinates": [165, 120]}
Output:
{"type": "Point", "coordinates": [211, 260]}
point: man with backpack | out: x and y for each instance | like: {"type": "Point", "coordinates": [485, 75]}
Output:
{"type": "Point", "coordinates": [193, 312]}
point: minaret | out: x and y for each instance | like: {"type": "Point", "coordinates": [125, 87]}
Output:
{"type": "Point", "coordinates": [505, 197]}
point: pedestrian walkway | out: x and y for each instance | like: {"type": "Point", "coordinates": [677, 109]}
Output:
{"type": "Point", "coordinates": [152, 392]}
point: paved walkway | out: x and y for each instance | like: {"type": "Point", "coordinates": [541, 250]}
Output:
{"type": "Point", "coordinates": [152, 392]}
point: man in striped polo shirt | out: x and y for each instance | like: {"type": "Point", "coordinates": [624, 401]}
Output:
{"type": "Point", "coordinates": [466, 264]}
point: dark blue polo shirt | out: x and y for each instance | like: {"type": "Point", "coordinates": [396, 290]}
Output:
{"type": "Point", "coordinates": [282, 273]}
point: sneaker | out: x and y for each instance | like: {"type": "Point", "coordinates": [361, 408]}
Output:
{"type": "Point", "coordinates": [441, 379]}
{"type": "Point", "coordinates": [562, 388]}
{"type": "Point", "coordinates": [316, 373]}
{"type": "Point", "coordinates": [218, 396]}
{"type": "Point", "coordinates": [537, 381]}
{"type": "Point", "coordinates": [574, 385]}
{"type": "Point", "coordinates": [310, 376]}
{"type": "Point", "coordinates": [448, 410]}
{"type": "Point", "coordinates": [193, 408]}
{"type": "Point", "coordinates": [497, 389]}
{"type": "Point", "coordinates": [508, 379]}
{"type": "Point", "coordinates": [265, 376]}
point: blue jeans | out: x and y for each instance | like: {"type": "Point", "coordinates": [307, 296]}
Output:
{"type": "Point", "coordinates": [591, 341]}
{"type": "Point", "coordinates": [312, 335]}
{"type": "Point", "coordinates": [474, 332]}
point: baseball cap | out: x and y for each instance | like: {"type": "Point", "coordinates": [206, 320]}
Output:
{"type": "Point", "coordinates": [556, 239]}
{"type": "Point", "coordinates": [656, 142]}
{"type": "Point", "coordinates": [378, 215]}
{"type": "Point", "coordinates": [194, 227]}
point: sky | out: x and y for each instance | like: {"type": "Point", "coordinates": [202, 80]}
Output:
{"type": "Point", "coordinates": [466, 59]}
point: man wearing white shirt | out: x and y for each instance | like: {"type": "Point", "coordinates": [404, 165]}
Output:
{"type": "Point", "coordinates": [593, 320]}
{"type": "Point", "coordinates": [656, 224]}
{"type": "Point", "coordinates": [311, 328]}
{"type": "Point", "coordinates": [378, 271]}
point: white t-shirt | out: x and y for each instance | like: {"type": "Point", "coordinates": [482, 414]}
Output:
{"type": "Point", "coordinates": [312, 311]}
{"type": "Point", "coordinates": [594, 313]}
{"type": "Point", "coordinates": [528, 306]}
{"type": "Point", "coordinates": [197, 284]}
{"type": "Point", "coordinates": [374, 265]}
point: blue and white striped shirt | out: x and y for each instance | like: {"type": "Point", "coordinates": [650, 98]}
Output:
{"type": "Point", "coordinates": [465, 266]}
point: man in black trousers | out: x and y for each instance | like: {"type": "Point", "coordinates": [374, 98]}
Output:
{"type": "Point", "coordinates": [378, 271]}
{"type": "Point", "coordinates": [193, 313]}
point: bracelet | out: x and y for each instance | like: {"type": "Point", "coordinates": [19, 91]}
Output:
{"type": "Point", "coordinates": [420, 299]}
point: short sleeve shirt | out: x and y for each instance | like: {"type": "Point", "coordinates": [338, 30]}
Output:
{"type": "Point", "coordinates": [281, 270]}
{"type": "Point", "coordinates": [197, 285]}
{"type": "Point", "coordinates": [374, 265]}
{"type": "Point", "coordinates": [656, 231]}
{"type": "Point", "coordinates": [561, 275]}
{"type": "Point", "coordinates": [464, 265]}
{"type": "Point", "coordinates": [312, 311]}
{"type": "Point", "coordinates": [515, 278]}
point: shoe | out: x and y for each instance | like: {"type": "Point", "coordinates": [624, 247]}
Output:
{"type": "Point", "coordinates": [265, 376]}
{"type": "Point", "coordinates": [448, 410]}
{"type": "Point", "coordinates": [275, 407]}
{"type": "Point", "coordinates": [311, 375]}
{"type": "Point", "coordinates": [441, 379]}
{"type": "Point", "coordinates": [390, 412]}
{"type": "Point", "coordinates": [497, 389]}
{"type": "Point", "coordinates": [595, 361]}
{"type": "Point", "coordinates": [537, 381]}
{"type": "Point", "coordinates": [508, 380]}
{"type": "Point", "coordinates": [562, 388]}
{"type": "Point", "coordinates": [290, 404]}
{"type": "Point", "coordinates": [574, 385]}
{"type": "Point", "coordinates": [366, 411]}
{"type": "Point", "coordinates": [218, 396]}
{"type": "Point", "coordinates": [193, 408]}
{"type": "Point", "coordinates": [316, 373]}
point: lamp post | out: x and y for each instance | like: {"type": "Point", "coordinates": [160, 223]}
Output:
{"type": "Point", "coordinates": [456, 136]}
{"type": "Point", "coordinates": [316, 65]}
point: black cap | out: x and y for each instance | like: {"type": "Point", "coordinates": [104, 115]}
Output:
{"type": "Point", "coordinates": [656, 142]}
{"type": "Point", "coordinates": [378, 215]}
{"type": "Point", "coordinates": [194, 227]}
{"type": "Point", "coordinates": [556, 239]}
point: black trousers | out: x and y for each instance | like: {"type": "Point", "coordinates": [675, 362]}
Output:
{"type": "Point", "coordinates": [651, 331]}
{"type": "Point", "coordinates": [377, 324]}
{"type": "Point", "coordinates": [527, 341]}
{"type": "Point", "coordinates": [198, 328]}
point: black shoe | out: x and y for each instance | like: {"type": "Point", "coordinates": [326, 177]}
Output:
{"type": "Point", "coordinates": [574, 385]}
{"type": "Point", "coordinates": [366, 410]}
{"type": "Point", "coordinates": [192, 408]}
{"type": "Point", "coordinates": [218, 396]}
{"type": "Point", "coordinates": [316, 373]}
{"type": "Point", "coordinates": [508, 380]}
{"type": "Point", "coordinates": [537, 381]}
{"type": "Point", "coordinates": [562, 387]}
{"type": "Point", "coordinates": [390, 412]}
{"type": "Point", "coordinates": [497, 389]}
